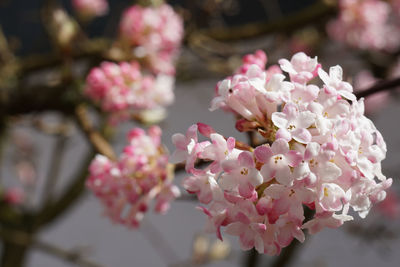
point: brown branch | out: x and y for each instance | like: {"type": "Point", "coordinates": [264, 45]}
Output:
{"type": "Point", "coordinates": [316, 11]}
{"type": "Point", "coordinates": [19, 239]}
{"type": "Point", "coordinates": [96, 139]}
{"type": "Point", "coordinates": [55, 166]}
{"type": "Point", "coordinates": [379, 87]}
{"type": "Point", "coordinates": [72, 256]}
{"type": "Point", "coordinates": [51, 211]}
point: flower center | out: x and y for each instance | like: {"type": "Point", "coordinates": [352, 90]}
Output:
{"type": "Point", "coordinates": [244, 171]}
{"type": "Point", "coordinates": [277, 158]}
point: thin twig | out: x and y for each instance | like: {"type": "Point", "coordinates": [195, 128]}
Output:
{"type": "Point", "coordinates": [379, 87]}
{"type": "Point", "coordinates": [159, 243]}
{"type": "Point", "coordinates": [51, 211]}
{"type": "Point", "coordinates": [55, 166]}
{"type": "Point", "coordinates": [72, 256]}
{"type": "Point", "coordinates": [252, 258]}
{"type": "Point", "coordinates": [291, 23]}
{"type": "Point", "coordinates": [96, 139]}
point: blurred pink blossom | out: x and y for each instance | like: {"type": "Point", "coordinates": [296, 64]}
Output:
{"type": "Point", "coordinates": [141, 176]}
{"type": "Point", "coordinates": [123, 88]}
{"type": "Point", "coordinates": [90, 8]}
{"type": "Point", "coordinates": [155, 32]}
{"type": "Point", "coordinates": [390, 207]}
{"type": "Point", "coordinates": [366, 24]}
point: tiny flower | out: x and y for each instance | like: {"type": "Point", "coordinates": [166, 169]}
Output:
{"type": "Point", "coordinates": [293, 123]}
{"type": "Point", "coordinates": [277, 159]}
{"type": "Point", "coordinates": [241, 173]}
{"type": "Point", "coordinates": [301, 67]}
{"type": "Point", "coordinates": [334, 83]}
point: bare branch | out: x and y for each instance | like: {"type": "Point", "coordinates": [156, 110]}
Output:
{"type": "Point", "coordinates": [96, 139]}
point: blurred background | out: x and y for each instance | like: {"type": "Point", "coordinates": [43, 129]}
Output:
{"type": "Point", "coordinates": [41, 140]}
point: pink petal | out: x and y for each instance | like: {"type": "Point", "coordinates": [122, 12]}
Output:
{"type": "Point", "coordinates": [294, 158]}
{"type": "Point", "coordinates": [192, 132]}
{"type": "Point", "coordinates": [246, 159]}
{"type": "Point", "coordinates": [283, 175]}
{"type": "Point", "coordinates": [280, 146]}
{"type": "Point", "coordinates": [179, 140]}
{"type": "Point", "coordinates": [263, 153]}
{"type": "Point", "coordinates": [279, 119]}
{"type": "Point", "coordinates": [302, 136]}
{"type": "Point", "coordinates": [284, 134]}
{"type": "Point", "coordinates": [205, 129]}
{"type": "Point", "coordinates": [241, 217]}
{"type": "Point", "coordinates": [230, 143]}
{"type": "Point", "coordinates": [246, 189]}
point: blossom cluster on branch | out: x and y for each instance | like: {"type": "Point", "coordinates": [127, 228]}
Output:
{"type": "Point", "coordinates": [367, 24]}
{"type": "Point", "coordinates": [142, 87]}
{"type": "Point", "coordinates": [155, 33]}
{"type": "Point", "coordinates": [123, 89]}
{"type": "Point", "coordinates": [127, 187]}
{"type": "Point", "coordinates": [322, 153]}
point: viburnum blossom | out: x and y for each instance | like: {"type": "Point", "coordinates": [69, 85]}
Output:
{"type": "Point", "coordinates": [366, 24]}
{"type": "Point", "coordinates": [321, 152]}
{"type": "Point", "coordinates": [123, 89]}
{"type": "Point", "coordinates": [90, 8]}
{"type": "Point", "coordinates": [155, 33]}
{"type": "Point", "coordinates": [127, 187]}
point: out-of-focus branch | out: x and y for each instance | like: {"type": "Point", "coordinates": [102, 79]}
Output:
{"type": "Point", "coordinates": [311, 14]}
{"type": "Point", "coordinates": [72, 256]}
{"type": "Point", "coordinates": [380, 87]}
{"type": "Point", "coordinates": [51, 211]}
{"type": "Point", "coordinates": [95, 138]}
{"type": "Point", "coordinates": [19, 238]}
{"type": "Point", "coordinates": [94, 48]}
{"type": "Point", "coordinates": [22, 100]}
{"type": "Point", "coordinates": [54, 168]}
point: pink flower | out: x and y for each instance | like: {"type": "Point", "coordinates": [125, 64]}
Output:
{"type": "Point", "coordinates": [90, 8]}
{"type": "Point", "coordinates": [293, 123]}
{"type": "Point", "coordinates": [141, 174]}
{"type": "Point", "coordinates": [301, 67]}
{"type": "Point", "coordinates": [156, 32]}
{"type": "Point", "coordinates": [322, 152]}
{"type": "Point", "coordinates": [365, 24]}
{"type": "Point", "coordinates": [123, 88]}
{"type": "Point", "coordinates": [277, 159]}
{"type": "Point", "coordinates": [334, 83]}
{"type": "Point", "coordinates": [241, 174]}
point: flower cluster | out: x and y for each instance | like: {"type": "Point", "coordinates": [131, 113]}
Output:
{"type": "Point", "coordinates": [142, 173]}
{"type": "Point", "coordinates": [155, 32]}
{"type": "Point", "coordinates": [322, 153]}
{"type": "Point", "coordinates": [90, 8]}
{"type": "Point", "coordinates": [124, 90]}
{"type": "Point", "coordinates": [367, 24]}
